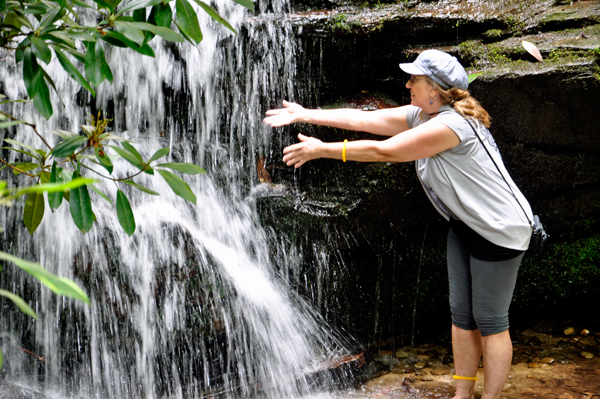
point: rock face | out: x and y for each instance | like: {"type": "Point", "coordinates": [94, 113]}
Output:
{"type": "Point", "coordinates": [379, 239]}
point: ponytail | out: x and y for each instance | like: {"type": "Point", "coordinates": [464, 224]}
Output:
{"type": "Point", "coordinates": [463, 103]}
{"type": "Point", "coordinates": [466, 105]}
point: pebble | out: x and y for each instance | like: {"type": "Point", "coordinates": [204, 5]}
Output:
{"type": "Point", "coordinates": [569, 331]}
{"type": "Point", "coordinates": [535, 365]}
{"type": "Point", "coordinates": [419, 365]}
{"type": "Point", "coordinates": [584, 333]}
{"type": "Point", "coordinates": [401, 353]}
{"type": "Point", "coordinates": [587, 355]}
{"type": "Point", "coordinates": [547, 360]}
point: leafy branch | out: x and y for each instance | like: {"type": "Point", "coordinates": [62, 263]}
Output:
{"type": "Point", "coordinates": [98, 147]}
{"type": "Point", "coordinates": [55, 29]}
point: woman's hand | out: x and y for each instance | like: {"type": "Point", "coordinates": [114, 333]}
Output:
{"type": "Point", "coordinates": [307, 149]}
{"type": "Point", "coordinates": [291, 113]}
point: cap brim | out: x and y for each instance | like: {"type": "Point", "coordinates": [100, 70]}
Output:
{"type": "Point", "coordinates": [412, 69]}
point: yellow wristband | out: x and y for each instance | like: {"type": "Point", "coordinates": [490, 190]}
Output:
{"type": "Point", "coordinates": [344, 151]}
{"type": "Point", "coordinates": [457, 377]}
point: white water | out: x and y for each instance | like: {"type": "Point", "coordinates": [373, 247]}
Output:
{"type": "Point", "coordinates": [191, 304]}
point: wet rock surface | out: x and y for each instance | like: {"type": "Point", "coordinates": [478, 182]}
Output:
{"type": "Point", "coordinates": [545, 365]}
{"type": "Point", "coordinates": [385, 240]}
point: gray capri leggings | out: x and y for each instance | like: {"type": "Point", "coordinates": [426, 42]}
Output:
{"type": "Point", "coordinates": [480, 291]}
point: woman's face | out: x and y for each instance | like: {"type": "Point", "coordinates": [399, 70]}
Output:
{"type": "Point", "coordinates": [420, 91]}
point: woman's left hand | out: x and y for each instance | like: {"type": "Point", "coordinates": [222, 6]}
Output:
{"type": "Point", "coordinates": [307, 149]}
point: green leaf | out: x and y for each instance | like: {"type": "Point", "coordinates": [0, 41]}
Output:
{"type": "Point", "coordinates": [68, 147]}
{"type": "Point", "coordinates": [50, 18]}
{"type": "Point", "coordinates": [24, 166]}
{"type": "Point", "coordinates": [215, 15]}
{"type": "Point", "coordinates": [23, 145]}
{"type": "Point", "coordinates": [125, 214]}
{"type": "Point", "coordinates": [109, 4]}
{"type": "Point", "coordinates": [139, 15]}
{"type": "Point", "coordinates": [36, 9]}
{"type": "Point", "coordinates": [73, 72]}
{"type": "Point", "coordinates": [110, 136]}
{"type": "Point", "coordinates": [32, 73]}
{"type": "Point", "coordinates": [161, 31]}
{"type": "Point", "coordinates": [246, 3]}
{"type": "Point", "coordinates": [103, 159]}
{"type": "Point", "coordinates": [9, 124]}
{"type": "Point", "coordinates": [64, 134]}
{"type": "Point", "coordinates": [132, 150]}
{"type": "Point", "coordinates": [188, 168]}
{"type": "Point", "coordinates": [139, 187]}
{"type": "Point", "coordinates": [159, 154]}
{"type": "Point", "coordinates": [60, 285]}
{"type": "Point", "coordinates": [96, 67]}
{"type": "Point", "coordinates": [81, 208]}
{"type": "Point", "coordinates": [119, 40]}
{"type": "Point", "coordinates": [474, 76]}
{"type": "Point", "coordinates": [54, 187]}
{"type": "Point", "coordinates": [33, 212]}
{"type": "Point", "coordinates": [55, 199]}
{"type": "Point", "coordinates": [1, 360]}
{"type": "Point", "coordinates": [21, 304]}
{"type": "Point", "coordinates": [131, 32]}
{"type": "Point", "coordinates": [62, 38]}
{"type": "Point", "coordinates": [78, 55]}
{"type": "Point", "coordinates": [137, 4]}
{"type": "Point", "coordinates": [42, 100]}
{"type": "Point", "coordinates": [45, 176]}
{"type": "Point", "coordinates": [162, 14]}
{"type": "Point", "coordinates": [132, 159]}
{"type": "Point", "coordinates": [187, 21]}
{"type": "Point", "coordinates": [178, 186]}
{"type": "Point", "coordinates": [41, 49]}
{"type": "Point", "coordinates": [101, 194]}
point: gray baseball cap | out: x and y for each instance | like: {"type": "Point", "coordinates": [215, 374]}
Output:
{"type": "Point", "coordinates": [440, 67]}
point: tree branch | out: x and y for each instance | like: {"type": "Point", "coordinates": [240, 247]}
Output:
{"type": "Point", "coordinates": [15, 168]}
{"type": "Point", "coordinates": [31, 125]}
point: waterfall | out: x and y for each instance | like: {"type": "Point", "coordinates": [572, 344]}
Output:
{"type": "Point", "coordinates": [193, 304]}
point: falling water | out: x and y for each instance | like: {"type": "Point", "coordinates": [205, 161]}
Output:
{"type": "Point", "coordinates": [192, 304]}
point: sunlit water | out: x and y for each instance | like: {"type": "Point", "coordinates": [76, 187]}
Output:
{"type": "Point", "coordinates": [192, 305]}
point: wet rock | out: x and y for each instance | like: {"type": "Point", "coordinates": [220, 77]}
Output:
{"type": "Point", "coordinates": [587, 355]}
{"type": "Point", "coordinates": [419, 365]}
{"type": "Point", "coordinates": [569, 331]}
{"type": "Point", "coordinates": [584, 332]}
{"type": "Point", "coordinates": [15, 391]}
{"type": "Point", "coordinates": [387, 360]}
{"type": "Point", "coordinates": [534, 341]}
{"type": "Point", "coordinates": [401, 354]}
{"type": "Point", "coordinates": [548, 360]}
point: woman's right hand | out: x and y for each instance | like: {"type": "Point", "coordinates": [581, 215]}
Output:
{"type": "Point", "coordinates": [290, 113]}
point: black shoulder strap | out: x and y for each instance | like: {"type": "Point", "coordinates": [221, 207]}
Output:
{"type": "Point", "coordinates": [501, 174]}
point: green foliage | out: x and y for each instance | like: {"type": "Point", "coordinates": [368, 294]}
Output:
{"type": "Point", "coordinates": [565, 271]}
{"type": "Point", "coordinates": [95, 147]}
{"type": "Point", "coordinates": [339, 22]}
{"type": "Point", "coordinates": [55, 29]}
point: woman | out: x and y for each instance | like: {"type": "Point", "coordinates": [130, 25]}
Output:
{"type": "Point", "coordinates": [489, 227]}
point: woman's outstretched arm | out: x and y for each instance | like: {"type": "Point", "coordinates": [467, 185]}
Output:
{"type": "Point", "coordinates": [384, 122]}
{"type": "Point", "coordinates": [423, 141]}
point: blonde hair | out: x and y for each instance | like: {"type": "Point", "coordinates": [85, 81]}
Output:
{"type": "Point", "coordinates": [463, 103]}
